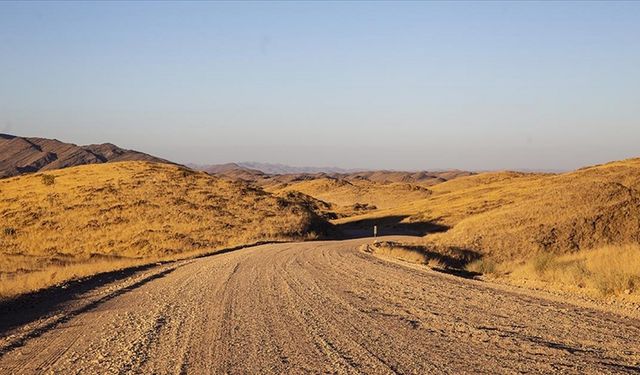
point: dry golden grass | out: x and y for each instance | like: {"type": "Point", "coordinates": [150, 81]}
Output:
{"type": "Point", "coordinates": [398, 251]}
{"type": "Point", "coordinates": [564, 213]}
{"type": "Point", "coordinates": [510, 218]}
{"type": "Point", "coordinates": [608, 270]}
{"type": "Point", "coordinates": [457, 199]}
{"type": "Point", "coordinates": [31, 278]}
{"type": "Point", "coordinates": [509, 215]}
{"type": "Point", "coordinates": [93, 218]}
{"type": "Point", "coordinates": [483, 266]}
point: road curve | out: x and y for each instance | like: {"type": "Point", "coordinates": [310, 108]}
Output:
{"type": "Point", "coordinates": [316, 307]}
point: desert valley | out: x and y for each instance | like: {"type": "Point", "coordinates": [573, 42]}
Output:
{"type": "Point", "coordinates": [319, 187]}
{"type": "Point", "coordinates": [575, 230]}
{"type": "Point", "coordinates": [87, 226]}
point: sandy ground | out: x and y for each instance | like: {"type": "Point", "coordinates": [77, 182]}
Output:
{"type": "Point", "coordinates": [315, 307]}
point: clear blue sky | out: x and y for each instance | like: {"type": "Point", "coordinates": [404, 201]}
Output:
{"type": "Point", "coordinates": [379, 85]}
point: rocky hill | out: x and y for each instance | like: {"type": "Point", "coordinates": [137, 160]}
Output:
{"type": "Point", "coordinates": [19, 155]}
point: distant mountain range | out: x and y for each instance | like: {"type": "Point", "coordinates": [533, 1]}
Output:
{"type": "Point", "coordinates": [270, 168]}
{"type": "Point", "coordinates": [265, 173]}
{"type": "Point", "coordinates": [19, 155]}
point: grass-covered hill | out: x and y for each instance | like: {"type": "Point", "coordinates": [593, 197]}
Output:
{"type": "Point", "coordinates": [100, 216]}
{"type": "Point", "coordinates": [579, 228]}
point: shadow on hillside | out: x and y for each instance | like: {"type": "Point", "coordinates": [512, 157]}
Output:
{"type": "Point", "coordinates": [387, 226]}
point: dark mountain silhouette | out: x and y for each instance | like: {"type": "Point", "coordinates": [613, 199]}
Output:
{"type": "Point", "coordinates": [19, 155]}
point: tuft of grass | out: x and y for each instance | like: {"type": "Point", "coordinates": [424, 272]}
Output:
{"type": "Point", "coordinates": [404, 253]}
{"type": "Point", "coordinates": [542, 262]}
{"type": "Point", "coordinates": [484, 266]}
{"type": "Point", "coordinates": [48, 179]}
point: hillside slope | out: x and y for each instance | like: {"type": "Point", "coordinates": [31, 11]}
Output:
{"type": "Point", "coordinates": [518, 216]}
{"type": "Point", "coordinates": [232, 171]}
{"type": "Point", "coordinates": [19, 155]}
{"type": "Point", "coordinates": [357, 192]}
{"type": "Point", "coordinates": [514, 214]}
{"type": "Point", "coordinates": [578, 230]}
{"type": "Point", "coordinates": [424, 178]}
{"type": "Point", "coordinates": [134, 210]}
{"type": "Point", "coordinates": [276, 173]}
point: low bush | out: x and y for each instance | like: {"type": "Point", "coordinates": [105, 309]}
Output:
{"type": "Point", "coordinates": [48, 179]}
{"type": "Point", "coordinates": [483, 266]}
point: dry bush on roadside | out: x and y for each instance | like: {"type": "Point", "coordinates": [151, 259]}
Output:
{"type": "Point", "coordinates": [484, 266]}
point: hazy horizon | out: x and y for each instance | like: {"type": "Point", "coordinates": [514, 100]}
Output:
{"type": "Point", "coordinates": [384, 85]}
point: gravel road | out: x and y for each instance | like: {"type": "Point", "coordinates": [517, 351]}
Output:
{"type": "Point", "coordinates": [315, 307]}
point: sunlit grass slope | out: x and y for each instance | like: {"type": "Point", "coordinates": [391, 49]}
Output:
{"type": "Point", "coordinates": [518, 217]}
{"type": "Point", "coordinates": [574, 221]}
{"type": "Point", "coordinates": [508, 214]}
{"type": "Point", "coordinates": [347, 194]}
{"type": "Point", "coordinates": [92, 217]}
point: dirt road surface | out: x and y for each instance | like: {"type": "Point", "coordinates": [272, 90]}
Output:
{"type": "Point", "coordinates": [315, 307]}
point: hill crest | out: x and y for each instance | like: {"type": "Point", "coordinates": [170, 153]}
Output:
{"type": "Point", "coordinates": [20, 155]}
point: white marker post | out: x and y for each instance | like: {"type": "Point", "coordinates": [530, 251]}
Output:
{"type": "Point", "coordinates": [375, 233]}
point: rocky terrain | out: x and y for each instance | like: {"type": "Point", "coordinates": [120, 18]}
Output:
{"type": "Point", "coordinates": [19, 155]}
